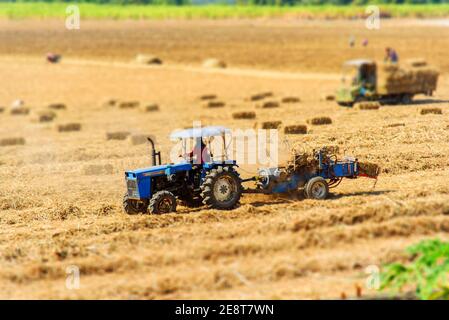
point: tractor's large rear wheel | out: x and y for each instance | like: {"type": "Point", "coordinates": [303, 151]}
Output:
{"type": "Point", "coordinates": [132, 206]}
{"type": "Point", "coordinates": [317, 188]}
{"type": "Point", "coordinates": [162, 202]}
{"type": "Point", "coordinates": [222, 188]}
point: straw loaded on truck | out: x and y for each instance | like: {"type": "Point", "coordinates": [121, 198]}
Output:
{"type": "Point", "coordinates": [364, 80]}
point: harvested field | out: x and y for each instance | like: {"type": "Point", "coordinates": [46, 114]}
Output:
{"type": "Point", "coordinates": [58, 209]}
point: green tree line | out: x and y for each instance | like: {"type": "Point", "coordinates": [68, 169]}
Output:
{"type": "Point", "coordinates": [246, 2]}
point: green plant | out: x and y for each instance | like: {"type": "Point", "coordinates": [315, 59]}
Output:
{"type": "Point", "coordinates": [428, 271]}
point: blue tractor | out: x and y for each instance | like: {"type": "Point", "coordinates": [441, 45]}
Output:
{"type": "Point", "coordinates": [198, 179]}
{"type": "Point", "coordinates": [202, 179]}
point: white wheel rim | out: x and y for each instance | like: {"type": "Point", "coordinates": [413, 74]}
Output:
{"type": "Point", "coordinates": [224, 189]}
{"type": "Point", "coordinates": [318, 189]}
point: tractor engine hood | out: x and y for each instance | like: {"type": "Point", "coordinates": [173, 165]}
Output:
{"type": "Point", "coordinates": [166, 169]}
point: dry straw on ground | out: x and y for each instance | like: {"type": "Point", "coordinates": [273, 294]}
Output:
{"type": "Point", "coordinates": [137, 139]}
{"type": "Point", "coordinates": [295, 129]}
{"type": "Point", "coordinates": [271, 125]}
{"type": "Point", "coordinates": [74, 126]}
{"type": "Point", "coordinates": [14, 141]}
{"type": "Point", "coordinates": [97, 169]}
{"type": "Point", "coordinates": [431, 111]}
{"type": "Point", "coordinates": [319, 121]}
{"type": "Point", "coordinates": [117, 135]}
{"type": "Point", "coordinates": [244, 115]}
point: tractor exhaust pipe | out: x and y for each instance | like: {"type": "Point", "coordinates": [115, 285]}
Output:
{"type": "Point", "coordinates": [154, 155]}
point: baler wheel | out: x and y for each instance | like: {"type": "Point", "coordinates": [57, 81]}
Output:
{"type": "Point", "coordinates": [132, 206]}
{"type": "Point", "coordinates": [317, 188]}
{"type": "Point", "coordinates": [222, 188]}
{"type": "Point", "coordinates": [162, 202]}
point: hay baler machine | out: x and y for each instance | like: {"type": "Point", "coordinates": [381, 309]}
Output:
{"type": "Point", "coordinates": [315, 174]}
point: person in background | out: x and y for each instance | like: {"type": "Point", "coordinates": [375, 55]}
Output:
{"type": "Point", "coordinates": [391, 55]}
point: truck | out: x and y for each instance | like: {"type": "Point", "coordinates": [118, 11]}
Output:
{"type": "Point", "coordinates": [365, 80]}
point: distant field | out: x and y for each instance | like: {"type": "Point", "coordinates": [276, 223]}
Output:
{"type": "Point", "coordinates": [95, 11]}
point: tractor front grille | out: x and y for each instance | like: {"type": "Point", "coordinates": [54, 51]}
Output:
{"type": "Point", "coordinates": [132, 188]}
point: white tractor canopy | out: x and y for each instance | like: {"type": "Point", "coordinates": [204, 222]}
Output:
{"type": "Point", "coordinates": [200, 132]}
{"type": "Point", "coordinates": [218, 150]}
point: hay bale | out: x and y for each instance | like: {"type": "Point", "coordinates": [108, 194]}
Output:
{"type": "Point", "coordinates": [214, 63]}
{"type": "Point", "coordinates": [295, 129]}
{"type": "Point", "coordinates": [367, 105]}
{"type": "Point", "coordinates": [244, 115]}
{"type": "Point", "coordinates": [290, 100]}
{"type": "Point", "coordinates": [368, 168]}
{"type": "Point", "coordinates": [419, 62]}
{"type": "Point", "coordinates": [151, 107]}
{"type": "Point", "coordinates": [394, 125]}
{"type": "Point", "coordinates": [97, 169]}
{"type": "Point", "coordinates": [431, 111]}
{"type": "Point", "coordinates": [68, 127]}
{"type": "Point", "coordinates": [270, 104]}
{"type": "Point", "coordinates": [110, 103]}
{"type": "Point", "coordinates": [117, 135]}
{"type": "Point", "coordinates": [148, 59]}
{"type": "Point", "coordinates": [206, 97]}
{"type": "Point", "coordinates": [20, 111]}
{"type": "Point", "coordinates": [57, 106]}
{"type": "Point", "coordinates": [214, 104]}
{"type": "Point", "coordinates": [260, 96]}
{"type": "Point", "coordinates": [137, 139]}
{"type": "Point", "coordinates": [319, 121]}
{"type": "Point", "coordinates": [2, 109]}
{"type": "Point", "coordinates": [328, 97]}
{"type": "Point", "coordinates": [15, 141]}
{"type": "Point", "coordinates": [271, 124]}
{"type": "Point", "coordinates": [46, 116]}
{"type": "Point", "coordinates": [128, 104]}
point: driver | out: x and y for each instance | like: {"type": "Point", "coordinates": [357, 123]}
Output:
{"type": "Point", "coordinates": [200, 152]}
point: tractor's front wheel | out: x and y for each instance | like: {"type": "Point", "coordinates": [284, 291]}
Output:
{"type": "Point", "coordinates": [162, 202]}
{"type": "Point", "coordinates": [317, 188]}
{"type": "Point", "coordinates": [222, 188]}
{"type": "Point", "coordinates": [132, 206]}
